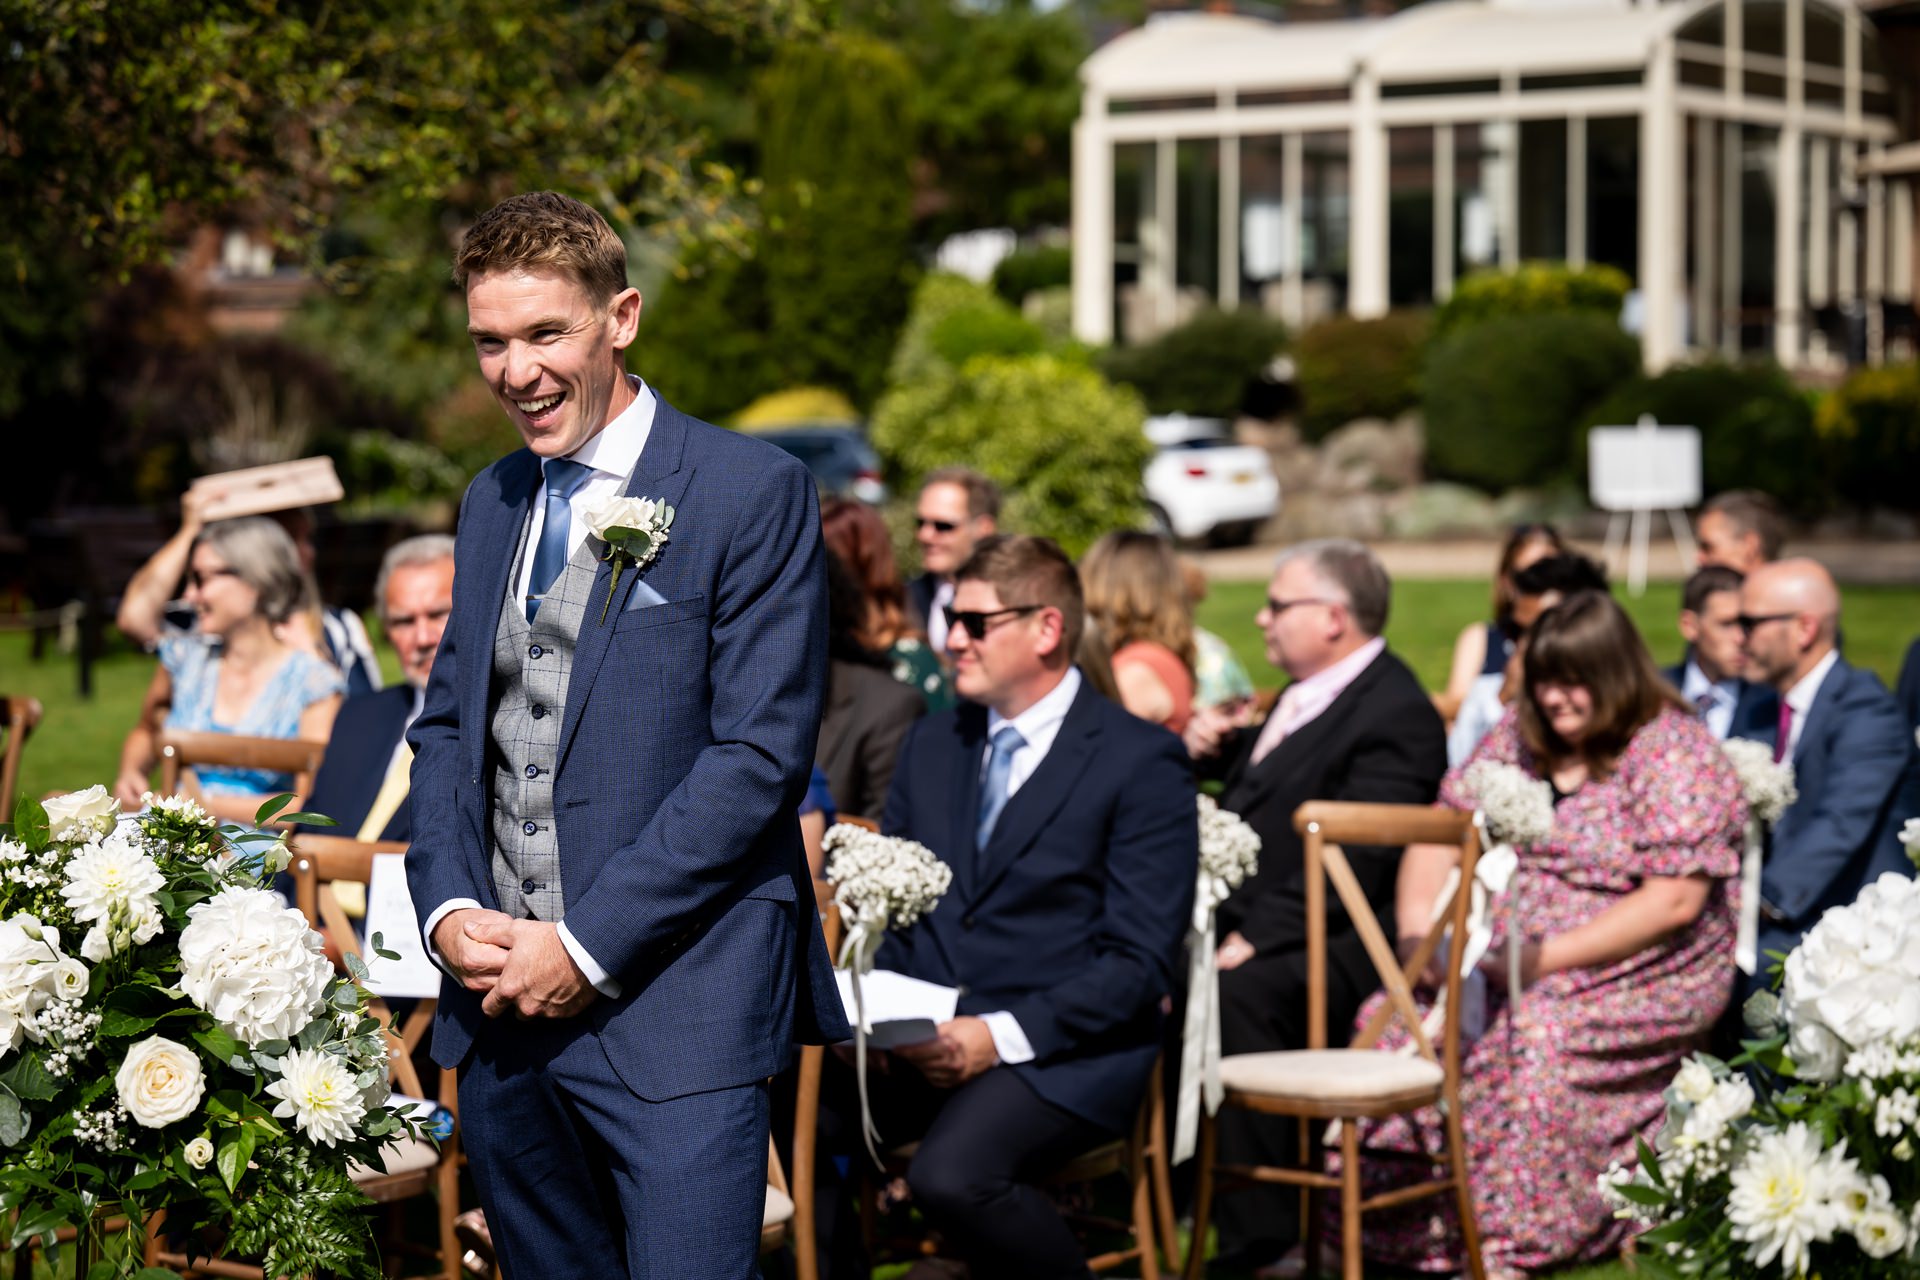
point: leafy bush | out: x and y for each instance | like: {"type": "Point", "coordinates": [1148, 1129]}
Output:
{"type": "Point", "coordinates": [979, 331]}
{"type": "Point", "coordinates": [1756, 430]}
{"type": "Point", "coordinates": [1871, 428]}
{"type": "Point", "coordinates": [1347, 369]}
{"type": "Point", "coordinates": [1064, 444]}
{"type": "Point", "coordinates": [1505, 399]}
{"type": "Point", "coordinates": [949, 315]}
{"type": "Point", "coordinates": [703, 343]}
{"type": "Point", "coordinates": [1202, 367]}
{"type": "Point", "coordinates": [795, 406]}
{"type": "Point", "coordinates": [1026, 271]}
{"type": "Point", "coordinates": [1533, 288]}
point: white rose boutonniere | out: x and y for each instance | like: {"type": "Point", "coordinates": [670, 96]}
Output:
{"type": "Point", "coordinates": [634, 530]}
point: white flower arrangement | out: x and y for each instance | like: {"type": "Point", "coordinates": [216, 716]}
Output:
{"type": "Point", "coordinates": [1229, 857]}
{"type": "Point", "coordinates": [1229, 853]}
{"type": "Point", "coordinates": [879, 883]}
{"type": "Point", "coordinates": [252, 962]}
{"type": "Point", "coordinates": [1518, 807]}
{"type": "Point", "coordinates": [633, 529]}
{"type": "Point", "coordinates": [1768, 786]}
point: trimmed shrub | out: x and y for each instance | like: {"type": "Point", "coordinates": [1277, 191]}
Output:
{"type": "Point", "coordinates": [703, 343]}
{"type": "Point", "coordinates": [980, 331]}
{"type": "Point", "coordinates": [1505, 399]}
{"type": "Point", "coordinates": [1204, 366]}
{"type": "Point", "coordinates": [949, 316]}
{"type": "Point", "coordinates": [1871, 427]}
{"type": "Point", "coordinates": [1530, 289]}
{"type": "Point", "coordinates": [1026, 271]}
{"type": "Point", "coordinates": [1064, 444]}
{"type": "Point", "coordinates": [1347, 369]}
{"type": "Point", "coordinates": [1756, 430]}
{"type": "Point", "coordinates": [796, 406]}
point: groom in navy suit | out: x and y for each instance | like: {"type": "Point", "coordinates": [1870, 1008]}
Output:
{"type": "Point", "coordinates": [608, 769]}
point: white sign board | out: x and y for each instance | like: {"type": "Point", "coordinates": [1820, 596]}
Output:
{"type": "Point", "coordinates": [390, 914]}
{"type": "Point", "coordinates": [1644, 468]}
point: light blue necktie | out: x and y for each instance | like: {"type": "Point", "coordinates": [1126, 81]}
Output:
{"type": "Point", "coordinates": [564, 478]}
{"type": "Point", "coordinates": [993, 793]}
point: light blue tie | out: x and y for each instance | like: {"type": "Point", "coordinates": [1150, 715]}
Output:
{"type": "Point", "coordinates": [993, 793]}
{"type": "Point", "coordinates": [564, 478]}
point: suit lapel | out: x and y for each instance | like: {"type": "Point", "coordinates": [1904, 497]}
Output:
{"type": "Point", "coordinates": [971, 730]}
{"type": "Point", "coordinates": [661, 473]}
{"type": "Point", "coordinates": [1041, 795]}
{"type": "Point", "coordinates": [1255, 781]}
{"type": "Point", "coordinates": [1822, 709]}
{"type": "Point", "coordinates": [501, 519]}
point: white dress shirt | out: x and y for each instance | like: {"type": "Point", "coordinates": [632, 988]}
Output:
{"type": "Point", "coordinates": [612, 452]}
{"type": "Point", "coordinates": [1694, 686]}
{"type": "Point", "coordinates": [937, 618]}
{"type": "Point", "coordinates": [1038, 725]}
{"type": "Point", "coordinates": [1801, 697]}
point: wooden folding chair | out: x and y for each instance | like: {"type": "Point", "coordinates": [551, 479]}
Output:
{"type": "Point", "coordinates": [1359, 1082]}
{"type": "Point", "coordinates": [18, 718]}
{"type": "Point", "coordinates": [184, 749]}
{"type": "Point", "coordinates": [413, 1167]}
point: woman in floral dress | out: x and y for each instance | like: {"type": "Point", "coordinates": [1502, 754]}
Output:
{"type": "Point", "coordinates": [1627, 913]}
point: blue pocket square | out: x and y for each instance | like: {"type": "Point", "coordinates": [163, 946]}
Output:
{"type": "Point", "coordinates": [644, 597]}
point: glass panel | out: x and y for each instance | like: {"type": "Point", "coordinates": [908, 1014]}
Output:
{"type": "Point", "coordinates": [1826, 37]}
{"type": "Point", "coordinates": [1323, 231]}
{"type": "Point", "coordinates": [1138, 106]}
{"type": "Point", "coordinates": [1613, 192]}
{"type": "Point", "coordinates": [1763, 84]}
{"type": "Point", "coordinates": [1438, 88]}
{"type": "Point", "coordinates": [1197, 219]}
{"type": "Point", "coordinates": [1759, 178]}
{"type": "Point", "coordinates": [1764, 27]}
{"type": "Point", "coordinates": [1292, 97]}
{"type": "Point", "coordinates": [1266, 251]}
{"type": "Point", "coordinates": [1543, 189]}
{"type": "Point", "coordinates": [1821, 94]}
{"type": "Point", "coordinates": [1410, 216]}
{"type": "Point", "coordinates": [1701, 75]}
{"type": "Point", "coordinates": [1482, 168]}
{"type": "Point", "coordinates": [1135, 230]}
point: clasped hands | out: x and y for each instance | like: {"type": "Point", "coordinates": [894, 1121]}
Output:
{"type": "Point", "coordinates": [518, 965]}
{"type": "Point", "coordinates": [961, 1049]}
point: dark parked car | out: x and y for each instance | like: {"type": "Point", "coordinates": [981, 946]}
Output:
{"type": "Point", "coordinates": [842, 462]}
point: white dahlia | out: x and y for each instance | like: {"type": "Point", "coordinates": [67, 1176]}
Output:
{"type": "Point", "coordinates": [317, 1090]}
{"type": "Point", "coordinates": [116, 872]}
{"type": "Point", "coordinates": [1788, 1196]}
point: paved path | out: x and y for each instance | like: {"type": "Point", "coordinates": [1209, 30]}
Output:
{"type": "Point", "coordinates": [1894, 563]}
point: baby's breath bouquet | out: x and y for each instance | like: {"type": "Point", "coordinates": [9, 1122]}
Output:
{"type": "Point", "coordinates": [1807, 1167]}
{"type": "Point", "coordinates": [172, 1037]}
{"type": "Point", "coordinates": [1229, 857]}
{"type": "Point", "coordinates": [1768, 787]}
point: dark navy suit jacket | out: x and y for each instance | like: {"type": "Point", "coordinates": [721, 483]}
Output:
{"type": "Point", "coordinates": [1756, 713]}
{"type": "Point", "coordinates": [1856, 770]}
{"type": "Point", "coordinates": [1071, 918]}
{"type": "Point", "coordinates": [685, 747]}
{"type": "Point", "coordinates": [1907, 692]}
{"type": "Point", "coordinates": [359, 750]}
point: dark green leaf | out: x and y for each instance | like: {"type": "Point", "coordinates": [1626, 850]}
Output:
{"type": "Point", "coordinates": [264, 814]}
{"type": "Point", "coordinates": [30, 824]}
{"type": "Point", "coordinates": [1649, 1163]}
{"type": "Point", "coordinates": [155, 1273]}
{"type": "Point", "coordinates": [218, 1042]}
{"type": "Point", "coordinates": [232, 1156]}
{"type": "Point", "coordinates": [29, 1080]}
{"type": "Point", "coordinates": [380, 949]}
{"type": "Point", "coordinates": [310, 819]}
{"type": "Point", "coordinates": [1641, 1194]}
{"type": "Point", "coordinates": [147, 1179]}
{"type": "Point", "coordinates": [357, 967]}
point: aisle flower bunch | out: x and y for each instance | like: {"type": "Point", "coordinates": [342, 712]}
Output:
{"type": "Point", "coordinates": [1229, 853]}
{"type": "Point", "coordinates": [1229, 856]}
{"type": "Point", "coordinates": [1810, 1164]}
{"type": "Point", "coordinates": [172, 1037]}
{"type": "Point", "coordinates": [879, 883]}
{"type": "Point", "coordinates": [1767, 784]}
{"type": "Point", "coordinates": [1518, 807]}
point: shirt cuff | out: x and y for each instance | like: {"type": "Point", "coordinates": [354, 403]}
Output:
{"type": "Point", "coordinates": [1009, 1041]}
{"type": "Point", "coordinates": [440, 913]}
{"type": "Point", "coordinates": [602, 982]}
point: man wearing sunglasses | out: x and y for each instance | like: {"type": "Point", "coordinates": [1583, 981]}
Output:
{"type": "Point", "coordinates": [957, 507]}
{"type": "Point", "coordinates": [1852, 753]}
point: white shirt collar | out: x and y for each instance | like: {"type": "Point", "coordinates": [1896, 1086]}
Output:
{"type": "Point", "coordinates": [615, 448]}
{"type": "Point", "coordinates": [1694, 682]}
{"type": "Point", "coordinates": [1041, 720]}
{"type": "Point", "coordinates": [1807, 688]}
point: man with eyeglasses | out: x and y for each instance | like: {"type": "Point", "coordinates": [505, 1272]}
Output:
{"type": "Point", "coordinates": [1069, 826]}
{"type": "Point", "coordinates": [957, 507]}
{"type": "Point", "coordinates": [1354, 724]}
{"type": "Point", "coordinates": [1852, 752]}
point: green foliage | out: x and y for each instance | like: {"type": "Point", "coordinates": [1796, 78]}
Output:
{"type": "Point", "coordinates": [836, 145]}
{"type": "Point", "coordinates": [1532, 288]}
{"type": "Point", "coordinates": [981, 331]}
{"type": "Point", "coordinates": [1026, 271]}
{"type": "Point", "coordinates": [1756, 431]}
{"type": "Point", "coordinates": [1202, 367]}
{"type": "Point", "coordinates": [1347, 369]}
{"type": "Point", "coordinates": [1871, 425]}
{"type": "Point", "coordinates": [1064, 444]}
{"type": "Point", "coordinates": [704, 342]}
{"type": "Point", "coordinates": [947, 305]}
{"type": "Point", "coordinates": [1505, 398]}
{"type": "Point", "coordinates": [382, 472]}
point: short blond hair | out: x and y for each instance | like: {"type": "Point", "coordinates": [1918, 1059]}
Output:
{"type": "Point", "coordinates": [1135, 588]}
{"type": "Point", "coordinates": [544, 230]}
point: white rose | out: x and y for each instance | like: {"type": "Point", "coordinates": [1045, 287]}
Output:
{"type": "Point", "coordinates": [1817, 1052]}
{"type": "Point", "coordinates": [253, 964]}
{"type": "Point", "coordinates": [1694, 1084]}
{"type": "Point", "coordinates": [199, 1152]}
{"type": "Point", "coordinates": [619, 513]}
{"type": "Point", "coordinates": [71, 816]}
{"type": "Point", "coordinates": [1882, 1232]}
{"type": "Point", "coordinates": [70, 979]}
{"type": "Point", "coordinates": [160, 1082]}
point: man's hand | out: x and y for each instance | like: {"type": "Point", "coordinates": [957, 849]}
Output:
{"type": "Point", "coordinates": [1207, 729]}
{"type": "Point", "coordinates": [1234, 951]}
{"type": "Point", "coordinates": [539, 979]}
{"type": "Point", "coordinates": [475, 964]}
{"type": "Point", "coordinates": [962, 1049]}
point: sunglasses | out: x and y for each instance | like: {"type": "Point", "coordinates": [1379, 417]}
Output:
{"type": "Point", "coordinates": [1278, 607]}
{"type": "Point", "coordinates": [938, 526]}
{"type": "Point", "coordinates": [1748, 622]}
{"type": "Point", "coordinates": [977, 622]}
{"type": "Point", "coordinates": [199, 580]}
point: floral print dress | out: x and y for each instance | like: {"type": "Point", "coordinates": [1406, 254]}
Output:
{"type": "Point", "coordinates": [1553, 1093]}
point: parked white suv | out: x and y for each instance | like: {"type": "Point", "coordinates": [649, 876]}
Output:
{"type": "Point", "coordinates": [1200, 485]}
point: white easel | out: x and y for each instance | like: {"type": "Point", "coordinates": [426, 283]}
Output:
{"type": "Point", "coordinates": [1635, 471]}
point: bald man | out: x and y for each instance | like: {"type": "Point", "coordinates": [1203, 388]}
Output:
{"type": "Point", "coordinates": [1853, 755]}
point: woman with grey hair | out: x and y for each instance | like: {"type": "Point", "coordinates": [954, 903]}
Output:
{"type": "Point", "coordinates": [233, 673]}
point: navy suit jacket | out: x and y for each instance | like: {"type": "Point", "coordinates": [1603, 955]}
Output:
{"type": "Point", "coordinates": [1907, 692]}
{"type": "Point", "coordinates": [1756, 713]}
{"type": "Point", "coordinates": [359, 750]}
{"type": "Point", "coordinates": [1856, 771]}
{"type": "Point", "coordinates": [1071, 918]}
{"type": "Point", "coordinates": [686, 744]}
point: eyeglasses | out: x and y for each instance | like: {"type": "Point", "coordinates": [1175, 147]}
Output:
{"type": "Point", "coordinates": [1747, 622]}
{"type": "Point", "coordinates": [1278, 607]}
{"type": "Point", "coordinates": [978, 621]}
{"type": "Point", "coordinates": [938, 526]}
{"type": "Point", "coordinates": [199, 580]}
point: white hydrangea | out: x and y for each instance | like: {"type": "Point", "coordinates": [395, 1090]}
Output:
{"type": "Point", "coordinates": [1854, 980]}
{"type": "Point", "coordinates": [1768, 787]}
{"type": "Point", "coordinates": [1729, 1100]}
{"type": "Point", "coordinates": [882, 882]}
{"type": "Point", "coordinates": [253, 964]}
{"type": "Point", "coordinates": [1229, 852]}
{"type": "Point", "coordinates": [33, 974]}
{"type": "Point", "coordinates": [317, 1090]}
{"type": "Point", "coordinates": [1518, 806]}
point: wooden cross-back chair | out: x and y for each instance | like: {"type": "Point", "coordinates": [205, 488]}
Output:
{"type": "Point", "coordinates": [1361, 1081]}
{"type": "Point", "coordinates": [18, 718]}
{"type": "Point", "coordinates": [185, 749]}
{"type": "Point", "coordinates": [412, 1167]}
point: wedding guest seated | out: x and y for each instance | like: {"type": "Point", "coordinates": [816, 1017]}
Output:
{"type": "Point", "coordinates": [330, 631]}
{"type": "Point", "coordinates": [1483, 648]}
{"type": "Point", "coordinates": [1852, 751]}
{"type": "Point", "coordinates": [232, 673]}
{"type": "Point", "coordinates": [1624, 919]}
{"type": "Point", "coordinates": [957, 507]}
{"type": "Point", "coordinates": [1712, 676]}
{"type": "Point", "coordinates": [1069, 826]}
{"type": "Point", "coordinates": [1740, 529]}
{"type": "Point", "coordinates": [856, 533]}
{"type": "Point", "coordinates": [1219, 679]}
{"type": "Point", "coordinates": [1907, 692]}
{"type": "Point", "coordinates": [1137, 594]}
{"type": "Point", "coordinates": [867, 712]}
{"type": "Point", "coordinates": [1354, 724]}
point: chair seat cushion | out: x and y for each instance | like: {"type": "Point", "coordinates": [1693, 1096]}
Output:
{"type": "Point", "coordinates": [1330, 1075]}
{"type": "Point", "coordinates": [779, 1208]}
{"type": "Point", "coordinates": [409, 1155]}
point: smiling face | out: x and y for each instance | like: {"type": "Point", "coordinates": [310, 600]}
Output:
{"type": "Point", "coordinates": [220, 598]}
{"type": "Point", "coordinates": [419, 598]}
{"type": "Point", "coordinates": [1001, 667]}
{"type": "Point", "coordinates": [1567, 709]}
{"type": "Point", "coordinates": [551, 355]}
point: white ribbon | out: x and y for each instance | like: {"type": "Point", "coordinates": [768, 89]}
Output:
{"type": "Point", "coordinates": [1200, 1037]}
{"type": "Point", "coordinates": [1747, 942]}
{"type": "Point", "coordinates": [856, 956]}
{"type": "Point", "coordinates": [1492, 875]}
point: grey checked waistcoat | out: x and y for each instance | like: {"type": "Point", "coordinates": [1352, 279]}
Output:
{"type": "Point", "coordinates": [531, 666]}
